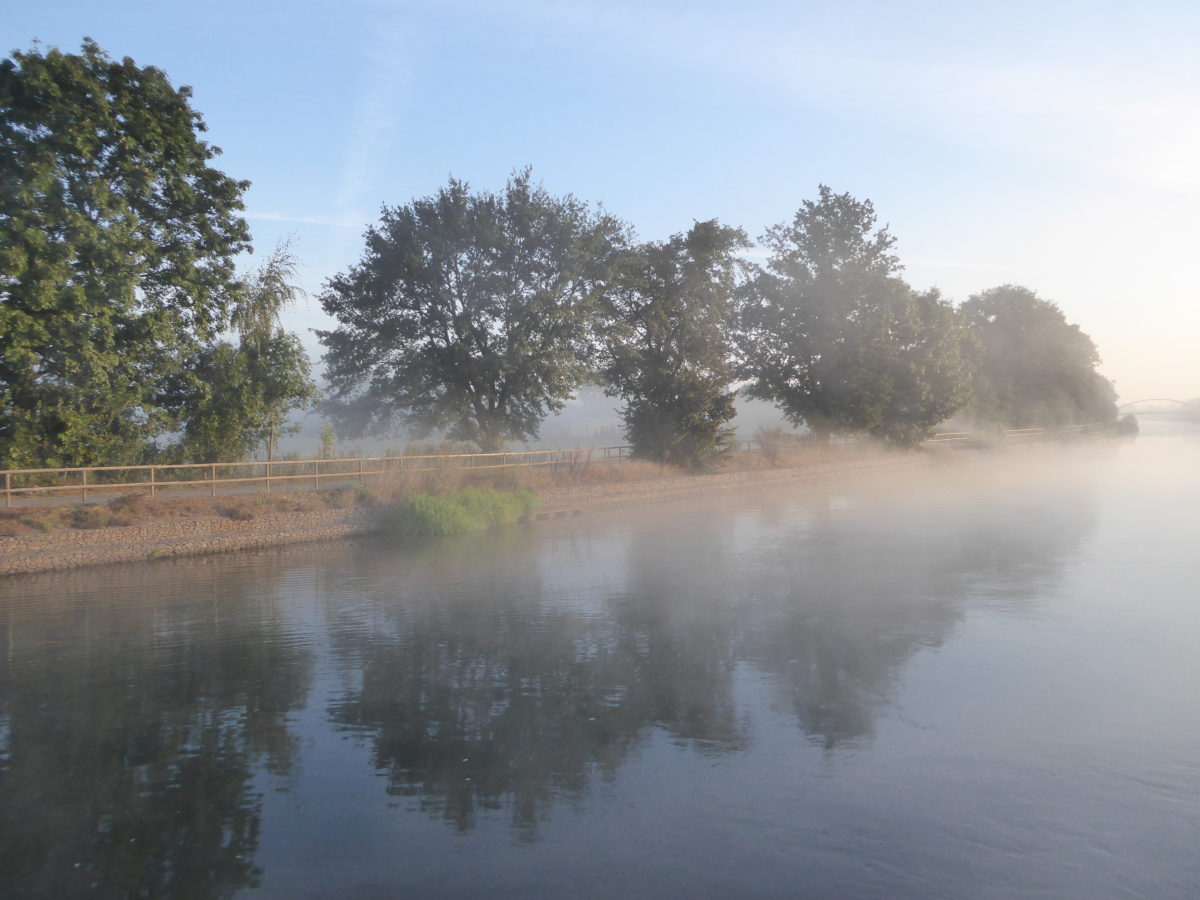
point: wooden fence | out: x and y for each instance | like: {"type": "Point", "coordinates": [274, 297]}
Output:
{"type": "Point", "coordinates": [78, 483]}
{"type": "Point", "coordinates": [1011, 434]}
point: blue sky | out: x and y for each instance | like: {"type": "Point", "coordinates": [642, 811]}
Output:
{"type": "Point", "coordinates": [1049, 144]}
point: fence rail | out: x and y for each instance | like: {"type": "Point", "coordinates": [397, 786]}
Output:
{"type": "Point", "coordinates": [1011, 434]}
{"type": "Point", "coordinates": [79, 482]}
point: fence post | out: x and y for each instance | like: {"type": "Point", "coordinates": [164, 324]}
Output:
{"type": "Point", "coordinates": [268, 476]}
{"type": "Point", "coordinates": [84, 482]}
{"type": "Point", "coordinates": [360, 481]}
{"type": "Point", "coordinates": [7, 490]}
{"type": "Point", "coordinates": [152, 470]}
{"type": "Point", "coordinates": [212, 480]}
{"type": "Point", "coordinates": [316, 474]}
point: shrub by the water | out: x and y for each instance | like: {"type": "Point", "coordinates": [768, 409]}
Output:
{"type": "Point", "coordinates": [459, 512]}
{"type": "Point", "coordinates": [1127, 424]}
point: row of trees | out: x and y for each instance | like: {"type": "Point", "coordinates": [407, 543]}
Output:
{"type": "Point", "coordinates": [477, 314]}
{"type": "Point", "coordinates": [126, 334]}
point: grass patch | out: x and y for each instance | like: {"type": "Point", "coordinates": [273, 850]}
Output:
{"type": "Point", "coordinates": [459, 512]}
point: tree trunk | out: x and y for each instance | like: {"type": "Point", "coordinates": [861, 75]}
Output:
{"type": "Point", "coordinates": [489, 443]}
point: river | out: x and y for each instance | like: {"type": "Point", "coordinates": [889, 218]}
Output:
{"type": "Point", "coordinates": [976, 679]}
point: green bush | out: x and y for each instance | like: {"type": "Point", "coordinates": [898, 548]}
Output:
{"type": "Point", "coordinates": [456, 513]}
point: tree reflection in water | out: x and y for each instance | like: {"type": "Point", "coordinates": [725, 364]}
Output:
{"type": "Point", "coordinates": [135, 729]}
{"type": "Point", "coordinates": [482, 688]}
{"type": "Point", "coordinates": [483, 692]}
{"type": "Point", "coordinates": [843, 597]}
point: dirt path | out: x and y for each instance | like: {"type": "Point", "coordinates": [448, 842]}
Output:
{"type": "Point", "coordinates": [68, 548]}
{"type": "Point", "coordinates": [584, 497]}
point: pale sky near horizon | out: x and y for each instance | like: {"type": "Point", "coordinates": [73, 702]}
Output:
{"type": "Point", "coordinates": [1050, 144]}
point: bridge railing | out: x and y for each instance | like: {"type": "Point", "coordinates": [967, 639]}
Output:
{"type": "Point", "coordinates": [1156, 404]}
{"type": "Point", "coordinates": [83, 481]}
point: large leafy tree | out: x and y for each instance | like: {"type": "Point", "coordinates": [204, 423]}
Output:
{"type": "Point", "coordinates": [469, 313]}
{"type": "Point", "coordinates": [833, 335]}
{"type": "Point", "coordinates": [1036, 368]}
{"type": "Point", "coordinates": [921, 370]}
{"type": "Point", "coordinates": [117, 241]}
{"type": "Point", "coordinates": [670, 356]}
{"type": "Point", "coordinates": [232, 398]}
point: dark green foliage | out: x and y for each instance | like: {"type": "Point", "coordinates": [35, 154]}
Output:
{"type": "Point", "coordinates": [117, 241]}
{"type": "Point", "coordinates": [669, 355]}
{"type": "Point", "coordinates": [924, 365]}
{"type": "Point", "coordinates": [328, 442]}
{"type": "Point", "coordinates": [470, 313]}
{"type": "Point", "coordinates": [233, 398]}
{"type": "Point", "coordinates": [458, 513]}
{"type": "Point", "coordinates": [1036, 369]}
{"type": "Point", "coordinates": [831, 334]}
{"type": "Point", "coordinates": [241, 395]}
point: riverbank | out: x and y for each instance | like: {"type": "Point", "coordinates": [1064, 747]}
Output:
{"type": "Point", "coordinates": [71, 548]}
{"type": "Point", "coordinates": [209, 532]}
{"type": "Point", "coordinates": [584, 497]}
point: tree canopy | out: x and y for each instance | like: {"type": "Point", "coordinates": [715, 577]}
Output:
{"type": "Point", "coordinates": [834, 336]}
{"type": "Point", "coordinates": [232, 398]}
{"type": "Point", "coordinates": [924, 369]}
{"type": "Point", "coordinates": [669, 356]}
{"type": "Point", "coordinates": [1035, 368]}
{"type": "Point", "coordinates": [469, 313]}
{"type": "Point", "coordinates": [117, 246]}
{"type": "Point", "coordinates": [473, 314]}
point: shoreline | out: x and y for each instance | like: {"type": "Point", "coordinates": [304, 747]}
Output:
{"type": "Point", "coordinates": [596, 496]}
{"type": "Point", "coordinates": [207, 535]}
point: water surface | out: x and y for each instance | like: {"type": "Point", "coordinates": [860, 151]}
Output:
{"type": "Point", "coordinates": [974, 680]}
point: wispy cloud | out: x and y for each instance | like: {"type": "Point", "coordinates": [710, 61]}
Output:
{"type": "Point", "coordinates": [1077, 85]}
{"type": "Point", "coordinates": [378, 104]}
{"type": "Point", "coordinates": [330, 221]}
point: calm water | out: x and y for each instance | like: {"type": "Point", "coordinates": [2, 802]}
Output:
{"type": "Point", "coordinates": [979, 681]}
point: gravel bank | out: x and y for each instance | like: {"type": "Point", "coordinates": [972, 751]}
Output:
{"type": "Point", "coordinates": [70, 548]}
{"type": "Point", "coordinates": [583, 497]}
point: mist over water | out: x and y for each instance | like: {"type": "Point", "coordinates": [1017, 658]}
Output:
{"type": "Point", "coordinates": [968, 679]}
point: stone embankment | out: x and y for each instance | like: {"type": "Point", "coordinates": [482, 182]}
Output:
{"type": "Point", "coordinates": [68, 548]}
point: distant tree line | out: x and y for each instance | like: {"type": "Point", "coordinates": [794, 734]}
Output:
{"type": "Point", "coordinates": [472, 314]}
{"type": "Point", "coordinates": [477, 314]}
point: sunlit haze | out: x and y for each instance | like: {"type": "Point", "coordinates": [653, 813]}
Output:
{"type": "Point", "coordinates": [1047, 144]}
